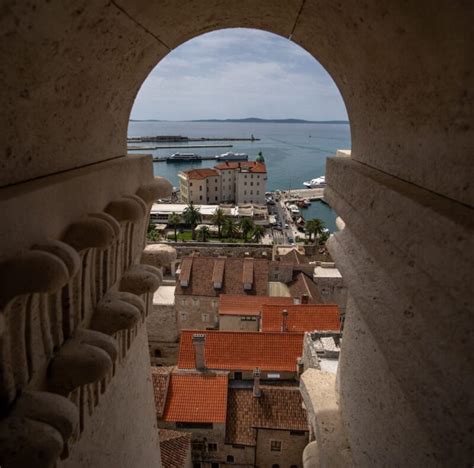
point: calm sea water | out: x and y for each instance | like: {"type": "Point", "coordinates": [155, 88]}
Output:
{"type": "Point", "coordinates": [293, 153]}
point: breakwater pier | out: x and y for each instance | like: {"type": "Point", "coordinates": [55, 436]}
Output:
{"type": "Point", "coordinates": [182, 139]}
{"type": "Point", "coordinates": [147, 148]}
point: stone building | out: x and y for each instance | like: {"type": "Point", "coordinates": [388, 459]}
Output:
{"type": "Point", "coordinates": [228, 182]}
{"type": "Point", "coordinates": [203, 279]}
{"type": "Point", "coordinates": [328, 280]}
{"type": "Point", "coordinates": [248, 426]}
{"type": "Point", "coordinates": [75, 207]}
{"type": "Point", "coordinates": [275, 355]}
{"type": "Point", "coordinates": [242, 313]}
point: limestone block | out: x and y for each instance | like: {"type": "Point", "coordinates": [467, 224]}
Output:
{"type": "Point", "coordinates": [141, 279]}
{"type": "Point", "coordinates": [33, 271]}
{"type": "Point", "coordinates": [64, 251]}
{"type": "Point", "coordinates": [113, 315]}
{"type": "Point", "coordinates": [132, 299]}
{"type": "Point", "coordinates": [159, 255]}
{"type": "Point", "coordinates": [28, 443]}
{"type": "Point", "coordinates": [49, 408]}
{"type": "Point", "coordinates": [152, 191]}
{"type": "Point", "coordinates": [92, 232]}
{"type": "Point", "coordinates": [78, 364]}
{"type": "Point", "coordinates": [126, 209]}
{"type": "Point", "coordinates": [98, 339]}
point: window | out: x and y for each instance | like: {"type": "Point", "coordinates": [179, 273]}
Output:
{"type": "Point", "coordinates": [190, 184]}
{"type": "Point", "coordinates": [212, 447]}
{"type": "Point", "coordinates": [275, 446]}
{"type": "Point", "coordinates": [215, 198]}
{"type": "Point", "coordinates": [245, 192]}
{"type": "Point", "coordinates": [200, 188]}
{"type": "Point", "coordinates": [184, 316]}
{"type": "Point", "coordinates": [237, 375]}
{"type": "Point", "coordinates": [258, 192]}
{"type": "Point", "coordinates": [248, 319]}
{"type": "Point", "coordinates": [196, 465]}
{"type": "Point", "coordinates": [258, 183]}
{"type": "Point", "coordinates": [276, 465]}
{"type": "Point", "coordinates": [157, 353]}
{"type": "Point", "coordinates": [205, 317]}
{"type": "Point", "coordinates": [200, 197]}
{"type": "Point", "coordinates": [197, 446]}
{"type": "Point", "coordinates": [251, 192]}
{"type": "Point", "coordinates": [294, 466]}
{"type": "Point", "coordinates": [298, 433]}
{"type": "Point", "coordinates": [251, 176]}
{"type": "Point", "coordinates": [251, 183]}
{"type": "Point", "coordinates": [214, 465]}
{"type": "Point", "coordinates": [245, 183]}
{"type": "Point", "coordinates": [230, 459]}
{"type": "Point", "coordinates": [237, 446]}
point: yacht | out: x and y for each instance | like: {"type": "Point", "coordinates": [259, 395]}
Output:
{"type": "Point", "coordinates": [319, 182]}
{"type": "Point", "coordinates": [230, 156]}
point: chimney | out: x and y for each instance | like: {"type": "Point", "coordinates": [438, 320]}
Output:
{"type": "Point", "coordinates": [257, 393]}
{"type": "Point", "coordinates": [284, 321]}
{"type": "Point", "coordinates": [304, 299]}
{"type": "Point", "coordinates": [199, 340]}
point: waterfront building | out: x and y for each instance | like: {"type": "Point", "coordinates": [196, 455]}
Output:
{"type": "Point", "coordinates": [228, 182]}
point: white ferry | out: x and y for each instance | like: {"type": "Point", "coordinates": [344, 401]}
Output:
{"type": "Point", "coordinates": [183, 157]}
{"type": "Point", "coordinates": [319, 182]}
{"type": "Point", "coordinates": [230, 156]}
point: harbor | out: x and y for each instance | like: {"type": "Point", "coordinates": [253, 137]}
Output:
{"type": "Point", "coordinates": [149, 148]}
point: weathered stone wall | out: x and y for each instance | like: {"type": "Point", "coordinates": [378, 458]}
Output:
{"type": "Point", "coordinates": [238, 323]}
{"type": "Point", "coordinates": [197, 312]}
{"type": "Point", "coordinates": [292, 447]}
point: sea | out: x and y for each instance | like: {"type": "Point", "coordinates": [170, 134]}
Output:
{"type": "Point", "coordinates": [293, 153]}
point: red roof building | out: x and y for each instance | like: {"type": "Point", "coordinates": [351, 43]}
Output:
{"type": "Point", "coordinates": [198, 398]}
{"type": "Point", "coordinates": [300, 318]}
{"type": "Point", "coordinates": [243, 351]}
{"type": "Point", "coordinates": [200, 174]}
{"type": "Point", "coordinates": [247, 166]}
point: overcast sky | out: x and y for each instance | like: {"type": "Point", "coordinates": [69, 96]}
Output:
{"type": "Point", "coordinates": [238, 73]}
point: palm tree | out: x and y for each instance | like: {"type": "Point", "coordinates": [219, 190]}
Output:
{"type": "Point", "coordinates": [173, 220]}
{"type": "Point", "coordinates": [315, 227]}
{"type": "Point", "coordinates": [219, 218]}
{"type": "Point", "coordinates": [258, 233]}
{"type": "Point", "coordinates": [192, 216]}
{"type": "Point", "coordinates": [246, 226]}
{"type": "Point", "coordinates": [204, 233]}
{"type": "Point", "coordinates": [230, 228]}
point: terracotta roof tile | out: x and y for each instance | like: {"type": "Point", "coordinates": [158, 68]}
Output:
{"type": "Point", "coordinates": [160, 378]}
{"type": "Point", "coordinates": [196, 398]}
{"type": "Point", "coordinates": [304, 285]}
{"type": "Point", "coordinates": [175, 447]}
{"type": "Point", "coordinates": [301, 318]}
{"type": "Point", "coordinates": [250, 166]}
{"type": "Point", "coordinates": [277, 408]}
{"type": "Point", "coordinates": [294, 257]}
{"type": "Point", "coordinates": [247, 305]}
{"type": "Point", "coordinates": [229, 350]}
{"type": "Point", "coordinates": [199, 174]}
{"type": "Point", "coordinates": [201, 277]}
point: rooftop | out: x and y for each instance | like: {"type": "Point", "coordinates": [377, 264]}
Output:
{"type": "Point", "coordinates": [200, 174]}
{"type": "Point", "coordinates": [174, 448]}
{"type": "Point", "coordinates": [198, 275]}
{"type": "Point", "coordinates": [294, 257]}
{"type": "Point", "coordinates": [229, 350]}
{"type": "Point", "coordinates": [301, 285]}
{"type": "Point", "coordinates": [250, 166]}
{"type": "Point", "coordinates": [196, 398]}
{"type": "Point", "coordinates": [247, 305]}
{"type": "Point", "coordinates": [160, 378]}
{"type": "Point", "coordinates": [301, 317]}
{"type": "Point", "coordinates": [277, 408]}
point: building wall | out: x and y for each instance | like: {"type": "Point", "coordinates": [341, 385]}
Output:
{"type": "Point", "coordinates": [213, 189]}
{"type": "Point", "coordinates": [292, 447]}
{"type": "Point", "coordinates": [332, 291]}
{"type": "Point", "coordinates": [238, 323]}
{"type": "Point", "coordinates": [228, 185]}
{"type": "Point", "coordinates": [250, 188]}
{"type": "Point", "coordinates": [196, 312]}
{"type": "Point", "coordinates": [183, 187]}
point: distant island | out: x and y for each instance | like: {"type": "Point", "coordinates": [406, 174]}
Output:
{"type": "Point", "coordinates": [251, 120]}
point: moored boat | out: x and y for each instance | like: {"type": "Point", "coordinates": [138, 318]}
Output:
{"type": "Point", "coordinates": [319, 182]}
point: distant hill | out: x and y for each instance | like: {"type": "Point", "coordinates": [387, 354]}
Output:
{"type": "Point", "coordinates": [254, 120]}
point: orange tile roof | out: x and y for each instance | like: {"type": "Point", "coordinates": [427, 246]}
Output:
{"type": "Point", "coordinates": [301, 318]}
{"type": "Point", "coordinates": [196, 398]}
{"type": "Point", "coordinates": [229, 350]}
{"type": "Point", "coordinates": [277, 408]}
{"type": "Point", "coordinates": [250, 166]}
{"type": "Point", "coordinates": [247, 305]}
{"type": "Point", "coordinates": [199, 174]}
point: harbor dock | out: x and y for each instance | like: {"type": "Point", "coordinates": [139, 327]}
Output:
{"type": "Point", "coordinates": [294, 195]}
{"type": "Point", "coordinates": [145, 148]}
{"type": "Point", "coordinates": [182, 139]}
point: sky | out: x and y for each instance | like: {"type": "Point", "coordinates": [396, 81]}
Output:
{"type": "Point", "coordinates": [238, 73]}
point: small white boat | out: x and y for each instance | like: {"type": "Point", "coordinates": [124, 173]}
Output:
{"type": "Point", "coordinates": [230, 156]}
{"type": "Point", "coordinates": [319, 182]}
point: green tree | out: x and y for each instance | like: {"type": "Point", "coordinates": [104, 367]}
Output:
{"type": "Point", "coordinates": [219, 219]}
{"type": "Point", "coordinates": [152, 233]}
{"type": "Point", "coordinates": [258, 233]}
{"type": "Point", "coordinates": [230, 228]}
{"type": "Point", "coordinates": [246, 226]}
{"type": "Point", "coordinates": [174, 219]}
{"type": "Point", "coordinates": [315, 227]}
{"type": "Point", "coordinates": [192, 217]}
{"type": "Point", "coordinates": [204, 233]}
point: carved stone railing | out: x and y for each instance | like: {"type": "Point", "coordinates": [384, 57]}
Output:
{"type": "Point", "coordinates": [70, 308]}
